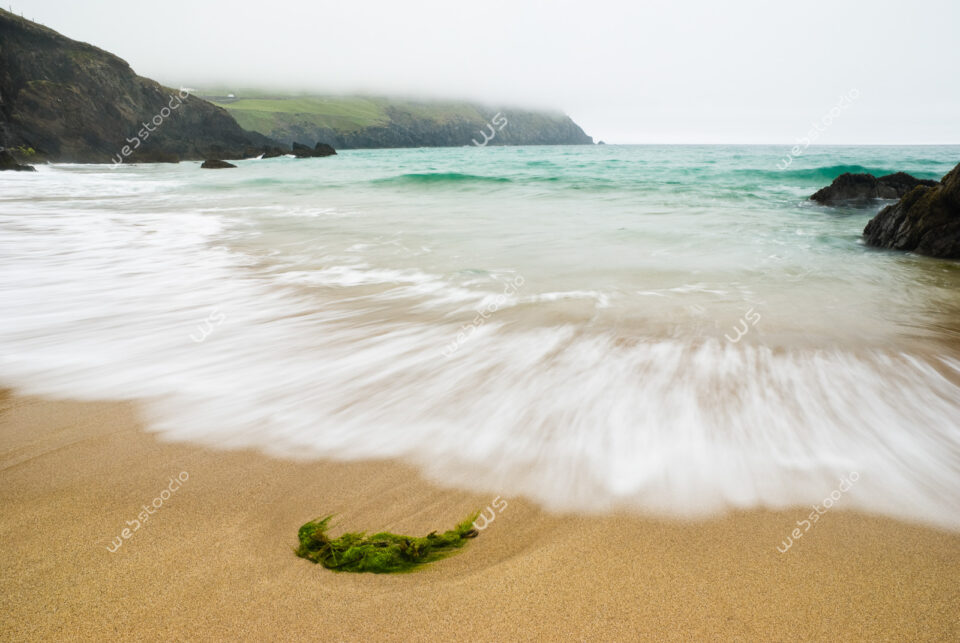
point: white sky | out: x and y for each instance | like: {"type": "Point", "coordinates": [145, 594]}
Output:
{"type": "Point", "coordinates": [682, 71]}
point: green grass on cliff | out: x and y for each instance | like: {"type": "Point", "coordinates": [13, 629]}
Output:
{"type": "Point", "coordinates": [337, 113]}
{"type": "Point", "coordinates": [275, 116]}
{"type": "Point", "coordinates": [381, 553]}
{"type": "Point", "coordinates": [363, 121]}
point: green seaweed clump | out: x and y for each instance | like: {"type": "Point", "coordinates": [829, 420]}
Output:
{"type": "Point", "coordinates": [381, 553]}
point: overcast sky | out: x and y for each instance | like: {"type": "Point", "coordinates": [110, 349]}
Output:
{"type": "Point", "coordinates": [628, 71]}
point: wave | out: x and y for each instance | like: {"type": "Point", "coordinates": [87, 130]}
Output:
{"type": "Point", "coordinates": [828, 173]}
{"type": "Point", "coordinates": [577, 418]}
{"type": "Point", "coordinates": [421, 178]}
{"type": "Point", "coordinates": [286, 323]}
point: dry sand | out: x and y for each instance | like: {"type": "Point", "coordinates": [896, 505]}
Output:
{"type": "Point", "coordinates": [215, 562]}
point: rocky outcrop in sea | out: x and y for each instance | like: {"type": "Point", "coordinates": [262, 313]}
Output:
{"type": "Point", "coordinates": [861, 189]}
{"type": "Point", "coordinates": [926, 220]}
{"type": "Point", "coordinates": [302, 151]}
{"type": "Point", "coordinates": [216, 164]}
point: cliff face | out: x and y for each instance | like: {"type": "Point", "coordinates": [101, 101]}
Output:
{"type": "Point", "coordinates": [73, 102]}
{"type": "Point", "coordinates": [366, 122]}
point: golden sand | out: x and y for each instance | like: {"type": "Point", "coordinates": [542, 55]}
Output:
{"type": "Point", "coordinates": [215, 561]}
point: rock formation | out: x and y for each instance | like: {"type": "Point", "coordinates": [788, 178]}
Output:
{"type": "Point", "coordinates": [216, 164]}
{"type": "Point", "coordinates": [301, 151]}
{"type": "Point", "coordinates": [926, 220]}
{"type": "Point", "coordinates": [861, 189]}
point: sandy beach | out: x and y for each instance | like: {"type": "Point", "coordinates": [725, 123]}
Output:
{"type": "Point", "coordinates": [593, 321]}
{"type": "Point", "coordinates": [215, 560]}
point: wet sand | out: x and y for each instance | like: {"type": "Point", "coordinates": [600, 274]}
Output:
{"type": "Point", "coordinates": [215, 561]}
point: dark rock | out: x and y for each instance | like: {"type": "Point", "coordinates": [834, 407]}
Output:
{"type": "Point", "coordinates": [861, 189]}
{"type": "Point", "coordinates": [896, 186]}
{"type": "Point", "coordinates": [926, 220]}
{"type": "Point", "coordinates": [7, 162]}
{"type": "Point", "coordinates": [301, 151]}
{"type": "Point", "coordinates": [846, 188]}
{"type": "Point", "coordinates": [215, 164]}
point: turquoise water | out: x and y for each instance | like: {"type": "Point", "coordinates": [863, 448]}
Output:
{"type": "Point", "coordinates": [667, 329]}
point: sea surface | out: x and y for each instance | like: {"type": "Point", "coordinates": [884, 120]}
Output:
{"type": "Point", "coordinates": [668, 330]}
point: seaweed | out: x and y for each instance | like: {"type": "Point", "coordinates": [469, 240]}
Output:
{"type": "Point", "coordinates": [381, 553]}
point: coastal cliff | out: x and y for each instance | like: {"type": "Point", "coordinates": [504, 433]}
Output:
{"type": "Point", "coordinates": [375, 122]}
{"type": "Point", "coordinates": [69, 101]}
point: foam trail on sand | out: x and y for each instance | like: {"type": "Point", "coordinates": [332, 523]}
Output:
{"type": "Point", "coordinates": [585, 398]}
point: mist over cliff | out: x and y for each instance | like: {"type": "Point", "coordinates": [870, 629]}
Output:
{"type": "Point", "coordinates": [68, 101]}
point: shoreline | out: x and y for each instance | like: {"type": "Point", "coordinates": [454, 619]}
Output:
{"type": "Point", "coordinates": [218, 560]}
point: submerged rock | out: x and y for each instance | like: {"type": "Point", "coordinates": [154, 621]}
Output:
{"type": "Point", "coordinates": [860, 189]}
{"type": "Point", "coordinates": [216, 164]}
{"type": "Point", "coordinates": [926, 220]}
{"type": "Point", "coordinates": [7, 162]}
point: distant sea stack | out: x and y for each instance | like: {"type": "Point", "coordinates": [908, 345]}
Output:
{"type": "Point", "coordinates": [862, 189]}
{"type": "Point", "coordinates": [371, 122]}
{"type": "Point", "coordinates": [72, 102]}
{"type": "Point", "coordinates": [926, 220]}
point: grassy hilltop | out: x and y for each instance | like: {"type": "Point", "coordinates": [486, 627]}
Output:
{"type": "Point", "coordinates": [367, 122]}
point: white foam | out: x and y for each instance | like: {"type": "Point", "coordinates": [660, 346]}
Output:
{"type": "Point", "coordinates": [102, 303]}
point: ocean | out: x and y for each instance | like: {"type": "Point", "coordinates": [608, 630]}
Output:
{"type": "Point", "coordinates": [667, 330]}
